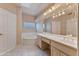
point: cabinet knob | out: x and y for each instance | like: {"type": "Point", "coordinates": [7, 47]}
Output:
{"type": "Point", "coordinates": [1, 34]}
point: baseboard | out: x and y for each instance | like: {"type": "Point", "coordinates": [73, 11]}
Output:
{"type": "Point", "coordinates": [1, 54]}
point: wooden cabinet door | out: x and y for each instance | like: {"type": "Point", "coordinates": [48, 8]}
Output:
{"type": "Point", "coordinates": [60, 53]}
{"type": "Point", "coordinates": [38, 41]}
{"type": "Point", "coordinates": [56, 52]}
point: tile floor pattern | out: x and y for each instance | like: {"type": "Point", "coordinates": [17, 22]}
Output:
{"type": "Point", "coordinates": [26, 49]}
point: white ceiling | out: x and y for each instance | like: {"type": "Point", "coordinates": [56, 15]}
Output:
{"type": "Point", "coordinates": [33, 8]}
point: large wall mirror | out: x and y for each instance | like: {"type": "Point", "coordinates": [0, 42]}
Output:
{"type": "Point", "coordinates": [48, 25]}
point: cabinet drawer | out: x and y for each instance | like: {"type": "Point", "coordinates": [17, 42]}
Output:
{"type": "Point", "coordinates": [66, 49]}
{"type": "Point", "coordinates": [38, 41]}
{"type": "Point", "coordinates": [56, 52]}
{"type": "Point", "coordinates": [46, 40]}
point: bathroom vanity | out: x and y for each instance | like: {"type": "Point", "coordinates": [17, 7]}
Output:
{"type": "Point", "coordinates": [60, 32]}
{"type": "Point", "coordinates": [58, 45]}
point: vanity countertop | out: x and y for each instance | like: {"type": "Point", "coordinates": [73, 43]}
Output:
{"type": "Point", "coordinates": [60, 39]}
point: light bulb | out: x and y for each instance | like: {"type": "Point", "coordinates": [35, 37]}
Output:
{"type": "Point", "coordinates": [69, 5]}
{"type": "Point", "coordinates": [50, 10]}
{"type": "Point", "coordinates": [59, 14]}
{"type": "Point", "coordinates": [53, 8]}
{"type": "Point", "coordinates": [56, 15]}
{"type": "Point", "coordinates": [53, 16]}
{"type": "Point", "coordinates": [63, 12]}
{"type": "Point", "coordinates": [44, 14]}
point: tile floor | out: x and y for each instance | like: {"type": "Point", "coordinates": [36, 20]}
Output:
{"type": "Point", "coordinates": [28, 48]}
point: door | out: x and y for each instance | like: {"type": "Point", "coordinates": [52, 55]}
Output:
{"type": "Point", "coordinates": [1, 32]}
{"type": "Point", "coordinates": [7, 30]}
{"type": "Point", "coordinates": [11, 25]}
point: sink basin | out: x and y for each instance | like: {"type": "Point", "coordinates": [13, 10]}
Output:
{"type": "Point", "coordinates": [72, 40]}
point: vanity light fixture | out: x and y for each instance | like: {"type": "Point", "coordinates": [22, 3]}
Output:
{"type": "Point", "coordinates": [56, 15]}
{"type": "Point", "coordinates": [53, 16]}
{"type": "Point", "coordinates": [69, 6]}
{"type": "Point", "coordinates": [49, 10]}
{"type": "Point", "coordinates": [63, 12]}
{"type": "Point", "coordinates": [44, 14]}
{"type": "Point", "coordinates": [59, 14]}
{"type": "Point", "coordinates": [53, 8]}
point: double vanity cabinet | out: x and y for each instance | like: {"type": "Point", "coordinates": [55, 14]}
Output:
{"type": "Point", "coordinates": [56, 45]}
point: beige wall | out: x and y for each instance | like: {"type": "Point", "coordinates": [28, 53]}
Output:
{"type": "Point", "coordinates": [9, 6]}
{"type": "Point", "coordinates": [28, 18]}
{"type": "Point", "coordinates": [19, 25]}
